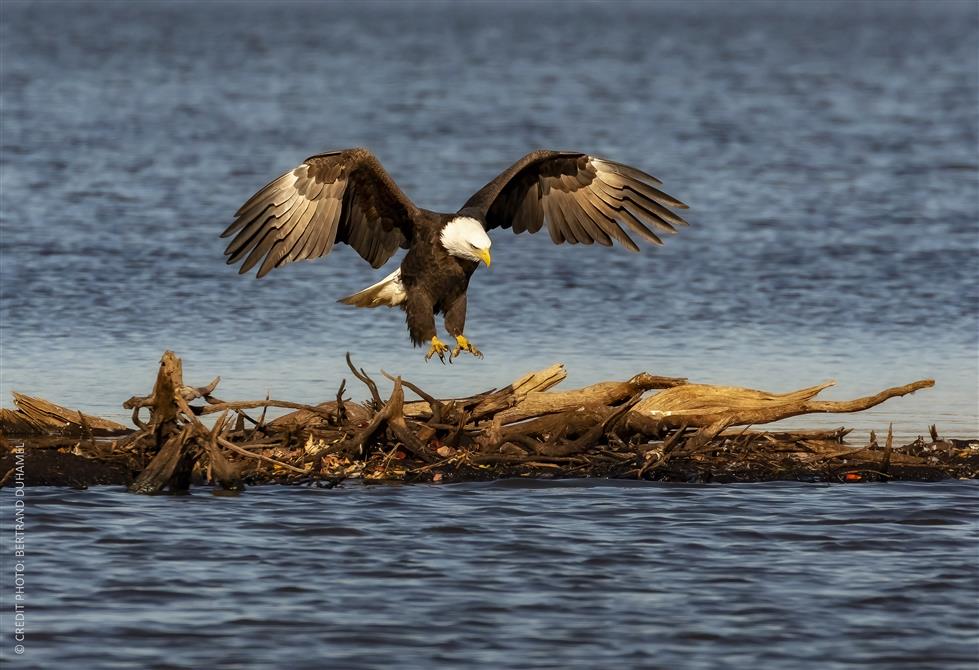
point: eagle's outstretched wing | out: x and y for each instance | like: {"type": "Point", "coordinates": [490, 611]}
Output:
{"type": "Point", "coordinates": [582, 199]}
{"type": "Point", "coordinates": [342, 196]}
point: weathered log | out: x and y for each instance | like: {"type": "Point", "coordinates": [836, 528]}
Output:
{"type": "Point", "coordinates": [163, 401]}
{"type": "Point", "coordinates": [550, 427]}
{"type": "Point", "coordinates": [332, 411]}
{"type": "Point", "coordinates": [489, 403]}
{"type": "Point", "coordinates": [171, 467]}
{"type": "Point", "coordinates": [15, 422]}
{"type": "Point", "coordinates": [174, 455]}
{"type": "Point", "coordinates": [540, 403]}
{"type": "Point", "coordinates": [36, 415]}
{"type": "Point", "coordinates": [705, 405]}
{"type": "Point", "coordinates": [595, 435]}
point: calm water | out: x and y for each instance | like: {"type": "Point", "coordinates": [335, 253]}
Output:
{"type": "Point", "coordinates": [511, 574]}
{"type": "Point", "coordinates": [828, 151]}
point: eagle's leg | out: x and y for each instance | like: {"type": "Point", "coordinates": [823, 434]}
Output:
{"type": "Point", "coordinates": [455, 322]}
{"type": "Point", "coordinates": [421, 324]}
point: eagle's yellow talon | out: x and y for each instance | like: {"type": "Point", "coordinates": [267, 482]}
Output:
{"type": "Point", "coordinates": [465, 345]}
{"type": "Point", "coordinates": [438, 348]}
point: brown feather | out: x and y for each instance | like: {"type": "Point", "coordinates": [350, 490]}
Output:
{"type": "Point", "coordinates": [342, 196]}
{"type": "Point", "coordinates": [582, 199]}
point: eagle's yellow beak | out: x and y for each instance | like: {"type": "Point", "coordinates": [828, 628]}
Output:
{"type": "Point", "coordinates": [484, 255]}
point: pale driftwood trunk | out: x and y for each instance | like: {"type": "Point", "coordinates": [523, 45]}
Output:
{"type": "Point", "coordinates": [175, 456]}
{"type": "Point", "coordinates": [702, 405]}
{"type": "Point", "coordinates": [38, 415]}
{"type": "Point", "coordinates": [603, 394]}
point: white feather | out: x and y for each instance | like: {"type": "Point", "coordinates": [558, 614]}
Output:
{"type": "Point", "coordinates": [389, 292]}
{"type": "Point", "coordinates": [463, 237]}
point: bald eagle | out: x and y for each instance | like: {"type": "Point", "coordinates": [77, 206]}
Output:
{"type": "Point", "coordinates": [346, 196]}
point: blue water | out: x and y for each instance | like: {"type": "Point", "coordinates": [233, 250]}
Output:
{"type": "Point", "coordinates": [512, 574]}
{"type": "Point", "coordinates": [828, 151]}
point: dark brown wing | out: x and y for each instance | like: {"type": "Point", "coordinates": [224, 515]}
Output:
{"type": "Point", "coordinates": [343, 196]}
{"type": "Point", "coordinates": [582, 199]}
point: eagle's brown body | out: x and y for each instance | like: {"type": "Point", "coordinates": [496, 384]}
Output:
{"type": "Point", "coordinates": [435, 282]}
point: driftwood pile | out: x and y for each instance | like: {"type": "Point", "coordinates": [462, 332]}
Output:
{"type": "Point", "coordinates": [679, 432]}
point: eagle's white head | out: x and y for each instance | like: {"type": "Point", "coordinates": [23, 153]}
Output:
{"type": "Point", "coordinates": [465, 237]}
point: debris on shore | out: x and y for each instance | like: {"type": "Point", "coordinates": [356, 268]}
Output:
{"type": "Point", "coordinates": [646, 427]}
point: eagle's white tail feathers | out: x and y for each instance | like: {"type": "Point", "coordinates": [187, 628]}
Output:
{"type": "Point", "coordinates": [389, 292]}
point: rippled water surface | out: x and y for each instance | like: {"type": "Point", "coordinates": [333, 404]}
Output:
{"type": "Point", "coordinates": [508, 574]}
{"type": "Point", "coordinates": [828, 152]}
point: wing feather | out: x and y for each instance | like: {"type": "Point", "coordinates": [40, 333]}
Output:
{"type": "Point", "coordinates": [566, 219]}
{"type": "Point", "coordinates": [256, 231]}
{"type": "Point", "coordinates": [640, 208]}
{"type": "Point", "coordinates": [261, 247]}
{"type": "Point", "coordinates": [611, 217]}
{"type": "Point", "coordinates": [327, 232]}
{"type": "Point", "coordinates": [582, 200]}
{"type": "Point", "coordinates": [636, 224]}
{"type": "Point", "coordinates": [619, 181]}
{"type": "Point", "coordinates": [270, 190]}
{"type": "Point", "coordinates": [304, 244]}
{"type": "Point", "coordinates": [629, 171]}
{"type": "Point", "coordinates": [551, 213]}
{"type": "Point", "coordinates": [602, 222]}
{"type": "Point", "coordinates": [248, 214]}
{"type": "Point", "coordinates": [293, 230]}
{"type": "Point", "coordinates": [341, 196]}
{"type": "Point", "coordinates": [591, 227]}
{"type": "Point", "coordinates": [528, 216]}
